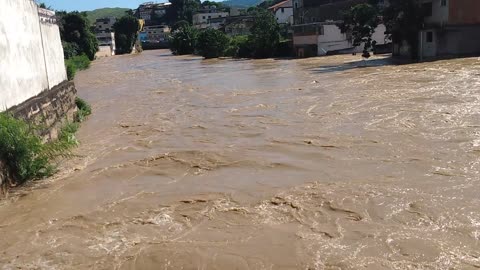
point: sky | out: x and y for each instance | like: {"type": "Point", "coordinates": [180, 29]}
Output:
{"type": "Point", "coordinates": [84, 5]}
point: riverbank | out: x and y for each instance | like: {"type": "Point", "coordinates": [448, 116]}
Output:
{"type": "Point", "coordinates": [277, 164]}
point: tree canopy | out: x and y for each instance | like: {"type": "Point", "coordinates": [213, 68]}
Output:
{"type": "Point", "coordinates": [183, 40]}
{"type": "Point", "coordinates": [76, 33]}
{"type": "Point", "coordinates": [265, 34]}
{"type": "Point", "coordinates": [361, 21]}
{"type": "Point", "coordinates": [126, 29]}
{"type": "Point", "coordinates": [212, 43]}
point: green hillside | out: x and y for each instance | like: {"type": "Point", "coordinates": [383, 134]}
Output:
{"type": "Point", "coordinates": [242, 3]}
{"type": "Point", "coordinates": [105, 12]}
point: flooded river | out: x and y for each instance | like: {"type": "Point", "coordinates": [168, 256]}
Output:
{"type": "Point", "coordinates": [318, 163]}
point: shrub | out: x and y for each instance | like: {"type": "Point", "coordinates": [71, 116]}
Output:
{"type": "Point", "coordinates": [183, 40]}
{"type": "Point", "coordinates": [212, 43]}
{"type": "Point", "coordinates": [84, 109]}
{"type": "Point", "coordinates": [23, 152]}
{"type": "Point", "coordinates": [240, 46]}
{"type": "Point", "coordinates": [70, 49]}
{"type": "Point", "coordinates": [71, 70]}
{"type": "Point", "coordinates": [75, 63]}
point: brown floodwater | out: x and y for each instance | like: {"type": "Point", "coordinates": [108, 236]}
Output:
{"type": "Point", "coordinates": [321, 163]}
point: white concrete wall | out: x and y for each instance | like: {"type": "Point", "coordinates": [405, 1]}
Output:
{"type": "Point", "coordinates": [284, 17]}
{"type": "Point", "coordinates": [439, 12]}
{"type": "Point", "coordinates": [25, 70]}
{"type": "Point", "coordinates": [202, 18]}
{"type": "Point", "coordinates": [334, 40]}
{"type": "Point", "coordinates": [53, 50]}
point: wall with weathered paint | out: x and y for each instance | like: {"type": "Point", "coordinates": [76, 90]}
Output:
{"type": "Point", "coordinates": [30, 51]}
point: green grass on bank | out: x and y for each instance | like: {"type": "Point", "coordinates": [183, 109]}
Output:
{"type": "Point", "coordinates": [75, 64]}
{"type": "Point", "coordinates": [26, 156]}
{"type": "Point", "coordinates": [106, 12]}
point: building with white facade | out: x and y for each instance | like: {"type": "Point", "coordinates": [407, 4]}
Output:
{"type": "Point", "coordinates": [283, 12]}
{"type": "Point", "coordinates": [105, 35]}
{"type": "Point", "coordinates": [451, 28]}
{"type": "Point", "coordinates": [315, 30]}
{"type": "Point", "coordinates": [201, 19]}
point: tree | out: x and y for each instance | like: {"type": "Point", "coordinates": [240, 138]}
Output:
{"type": "Point", "coordinates": [75, 29]}
{"type": "Point", "coordinates": [404, 19]}
{"type": "Point", "coordinates": [126, 29]}
{"type": "Point", "coordinates": [361, 21]}
{"type": "Point", "coordinates": [212, 43]}
{"type": "Point", "coordinates": [265, 34]}
{"type": "Point", "coordinates": [183, 40]}
{"type": "Point", "coordinates": [181, 10]}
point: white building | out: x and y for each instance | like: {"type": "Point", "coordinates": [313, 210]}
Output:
{"type": "Point", "coordinates": [155, 34]}
{"type": "Point", "coordinates": [283, 12]}
{"type": "Point", "coordinates": [105, 35]}
{"type": "Point", "coordinates": [201, 19]}
{"type": "Point", "coordinates": [105, 24]}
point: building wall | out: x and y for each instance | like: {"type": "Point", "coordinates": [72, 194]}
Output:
{"type": "Point", "coordinates": [22, 68]}
{"type": "Point", "coordinates": [52, 49]}
{"type": "Point", "coordinates": [331, 39]}
{"type": "Point", "coordinates": [286, 16]}
{"type": "Point", "coordinates": [440, 13]}
{"type": "Point", "coordinates": [464, 11]}
{"type": "Point", "coordinates": [202, 18]}
{"type": "Point", "coordinates": [305, 40]}
{"type": "Point", "coordinates": [30, 51]}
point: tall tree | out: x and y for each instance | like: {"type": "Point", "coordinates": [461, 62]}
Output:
{"type": "Point", "coordinates": [126, 29]}
{"type": "Point", "coordinates": [265, 34]}
{"type": "Point", "coordinates": [76, 32]}
{"type": "Point", "coordinates": [212, 43]}
{"type": "Point", "coordinates": [183, 39]}
{"type": "Point", "coordinates": [181, 10]}
{"type": "Point", "coordinates": [361, 21]}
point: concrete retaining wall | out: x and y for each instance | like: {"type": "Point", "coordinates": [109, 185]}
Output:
{"type": "Point", "coordinates": [31, 52]}
{"type": "Point", "coordinates": [49, 110]}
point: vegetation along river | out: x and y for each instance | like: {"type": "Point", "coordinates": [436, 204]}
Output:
{"type": "Point", "coordinates": [317, 163]}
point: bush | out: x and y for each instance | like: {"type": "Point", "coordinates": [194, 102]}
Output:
{"type": "Point", "coordinates": [183, 40]}
{"type": "Point", "coordinates": [23, 152]}
{"type": "Point", "coordinates": [71, 70]}
{"type": "Point", "coordinates": [76, 63]}
{"type": "Point", "coordinates": [84, 109]}
{"type": "Point", "coordinates": [70, 49]}
{"type": "Point", "coordinates": [240, 46]}
{"type": "Point", "coordinates": [212, 43]}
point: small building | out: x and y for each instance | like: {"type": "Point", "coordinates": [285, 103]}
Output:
{"type": "Point", "coordinates": [201, 19]}
{"type": "Point", "coordinates": [154, 36]}
{"type": "Point", "coordinates": [315, 30]}
{"type": "Point", "coordinates": [451, 28]}
{"type": "Point", "coordinates": [283, 12]}
{"type": "Point", "coordinates": [105, 35]}
{"type": "Point", "coordinates": [151, 12]}
{"type": "Point", "coordinates": [239, 25]}
{"type": "Point", "coordinates": [105, 24]}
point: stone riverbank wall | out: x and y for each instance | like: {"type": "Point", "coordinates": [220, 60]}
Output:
{"type": "Point", "coordinates": [33, 80]}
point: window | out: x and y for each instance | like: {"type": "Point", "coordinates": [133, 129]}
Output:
{"type": "Point", "coordinates": [444, 3]}
{"type": "Point", "coordinates": [203, 17]}
{"type": "Point", "coordinates": [283, 10]}
{"type": "Point", "coordinates": [429, 37]}
{"type": "Point", "coordinates": [427, 9]}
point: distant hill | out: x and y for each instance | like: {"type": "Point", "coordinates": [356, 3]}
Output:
{"type": "Point", "coordinates": [242, 3]}
{"type": "Point", "coordinates": [105, 12]}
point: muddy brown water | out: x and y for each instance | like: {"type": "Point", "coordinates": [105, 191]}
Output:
{"type": "Point", "coordinates": [261, 164]}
